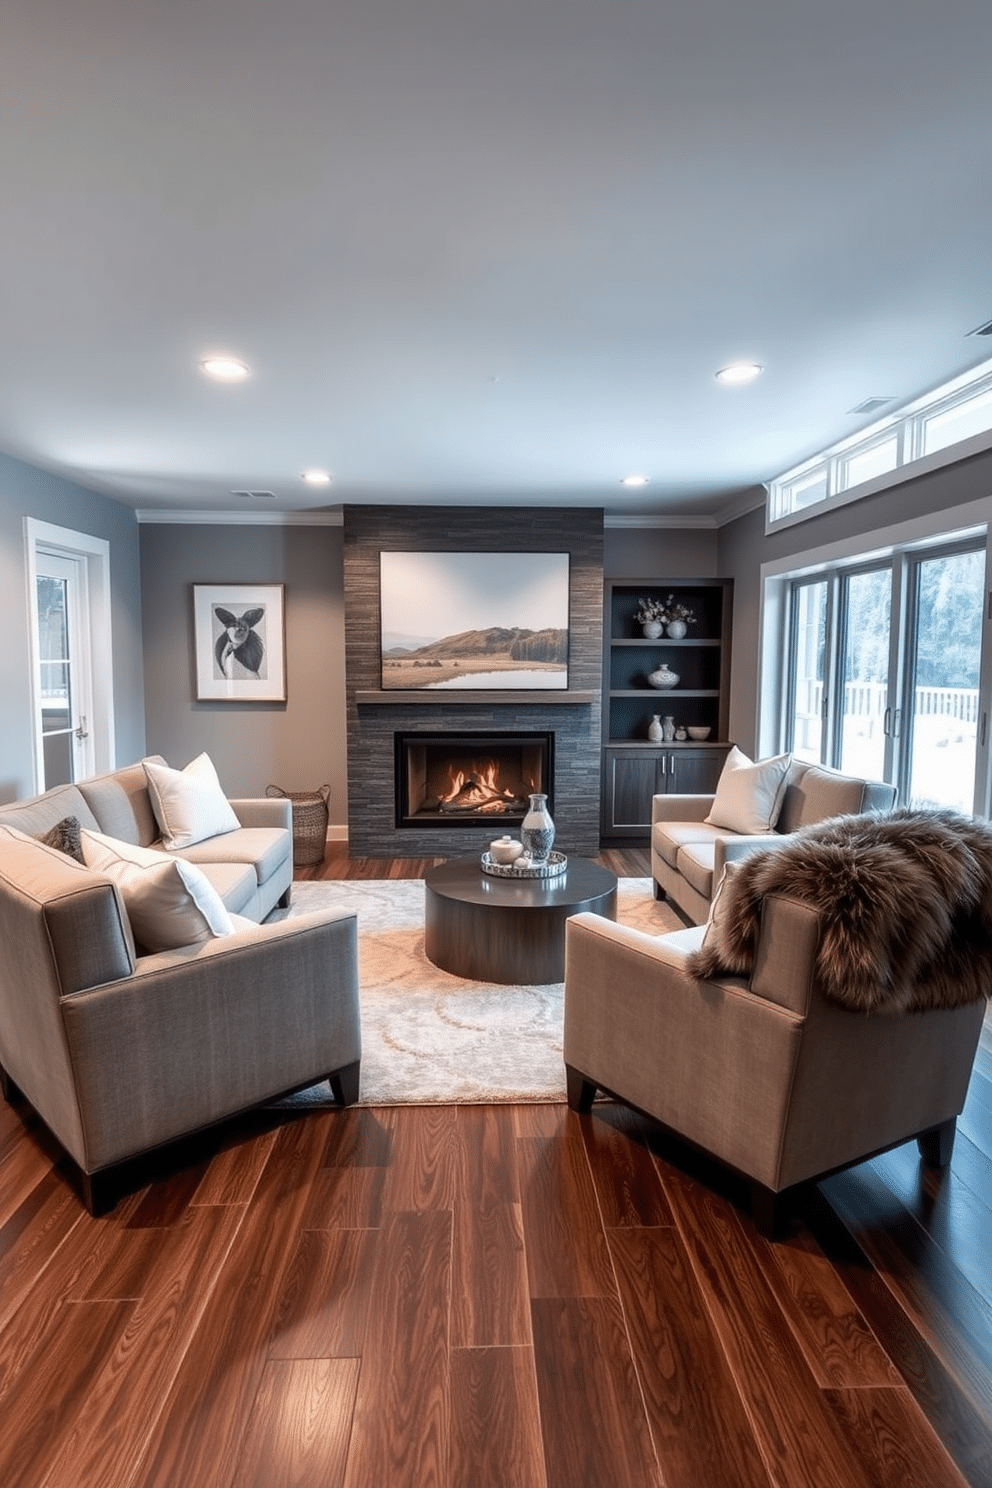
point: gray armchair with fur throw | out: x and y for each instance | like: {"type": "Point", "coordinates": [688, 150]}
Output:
{"type": "Point", "coordinates": [830, 1008]}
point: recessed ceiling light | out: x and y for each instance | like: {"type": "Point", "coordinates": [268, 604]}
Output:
{"type": "Point", "coordinates": [738, 373]}
{"type": "Point", "coordinates": [316, 477]}
{"type": "Point", "coordinates": [634, 480]}
{"type": "Point", "coordinates": [224, 368]}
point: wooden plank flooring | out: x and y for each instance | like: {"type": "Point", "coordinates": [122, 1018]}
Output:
{"type": "Point", "coordinates": [491, 1297]}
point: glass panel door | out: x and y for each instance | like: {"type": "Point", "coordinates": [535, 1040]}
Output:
{"type": "Point", "coordinates": [942, 719]}
{"type": "Point", "coordinates": [807, 681]}
{"type": "Point", "coordinates": [867, 645]}
{"type": "Point", "coordinates": [56, 681]}
{"type": "Point", "coordinates": [62, 684]}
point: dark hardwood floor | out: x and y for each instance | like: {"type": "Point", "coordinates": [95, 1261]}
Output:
{"type": "Point", "coordinates": [491, 1297]}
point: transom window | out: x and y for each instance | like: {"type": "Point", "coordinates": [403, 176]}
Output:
{"type": "Point", "coordinates": [931, 428]}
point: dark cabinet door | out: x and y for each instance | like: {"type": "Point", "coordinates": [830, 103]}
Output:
{"type": "Point", "coordinates": [693, 772]}
{"type": "Point", "coordinates": [633, 776]}
{"type": "Point", "coordinates": [631, 781]}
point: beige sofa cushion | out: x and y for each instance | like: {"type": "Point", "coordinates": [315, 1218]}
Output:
{"type": "Point", "coordinates": [119, 802]}
{"type": "Point", "coordinates": [670, 837]}
{"type": "Point", "coordinates": [265, 848]}
{"type": "Point", "coordinates": [816, 794]}
{"type": "Point", "coordinates": [695, 863]}
{"type": "Point", "coordinates": [41, 813]}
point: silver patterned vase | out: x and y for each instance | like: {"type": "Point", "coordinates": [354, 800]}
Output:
{"type": "Point", "coordinates": [537, 830]}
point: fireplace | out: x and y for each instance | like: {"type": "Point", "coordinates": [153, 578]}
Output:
{"type": "Point", "coordinates": [459, 779]}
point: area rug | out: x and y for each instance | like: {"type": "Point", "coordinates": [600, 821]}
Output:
{"type": "Point", "coordinates": [429, 1037]}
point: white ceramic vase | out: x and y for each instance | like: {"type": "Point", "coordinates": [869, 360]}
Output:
{"type": "Point", "coordinates": [676, 629]}
{"type": "Point", "coordinates": [664, 677]}
{"type": "Point", "coordinates": [537, 830]}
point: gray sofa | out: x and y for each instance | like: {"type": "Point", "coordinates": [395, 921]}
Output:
{"type": "Point", "coordinates": [251, 869]}
{"type": "Point", "coordinates": [688, 855]}
{"type": "Point", "coordinates": [121, 1051]}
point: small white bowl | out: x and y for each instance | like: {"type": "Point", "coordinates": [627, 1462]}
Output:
{"type": "Point", "coordinates": [505, 850]}
{"type": "Point", "coordinates": [698, 733]}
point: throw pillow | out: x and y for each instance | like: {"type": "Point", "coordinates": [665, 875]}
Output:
{"type": "Point", "coordinates": [65, 836]}
{"type": "Point", "coordinates": [189, 804]}
{"type": "Point", "coordinates": [169, 902]}
{"type": "Point", "coordinates": [713, 958]}
{"type": "Point", "coordinates": [748, 795]}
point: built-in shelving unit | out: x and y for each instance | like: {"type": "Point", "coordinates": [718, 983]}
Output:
{"type": "Point", "coordinates": [634, 767]}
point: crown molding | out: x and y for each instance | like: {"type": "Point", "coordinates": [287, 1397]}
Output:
{"type": "Point", "coordinates": [626, 520]}
{"type": "Point", "coordinates": [748, 501]}
{"type": "Point", "coordinates": [243, 519]}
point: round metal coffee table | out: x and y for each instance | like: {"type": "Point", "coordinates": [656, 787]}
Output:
{"type": "Point", "coordinates": [509, 930]}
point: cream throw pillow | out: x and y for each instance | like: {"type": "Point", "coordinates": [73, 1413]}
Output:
{"type": "Point", "coordinates": [714, 936]}
{"type": "Point", "coordinates": [169, 902]}
{"type": "Point", "coordinates": [748, 795]}
{"type": "Point", "coordinates": [189, 805]}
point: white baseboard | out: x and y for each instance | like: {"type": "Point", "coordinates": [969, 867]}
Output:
{"type": "Point", "coordinates": [337, 833]}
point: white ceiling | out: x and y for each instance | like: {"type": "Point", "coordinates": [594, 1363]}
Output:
{"type": "Point", "coordinates": [480, 250]}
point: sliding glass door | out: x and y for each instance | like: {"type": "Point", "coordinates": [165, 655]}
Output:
{"type": "Point", "coordinates": [809, 649]}
{"type": "Point", "coordinates": [941, 733]}
{"type": "Point", "coordinates": [884, 671]}
{"type": "Point", "coordinates": [863, 705]}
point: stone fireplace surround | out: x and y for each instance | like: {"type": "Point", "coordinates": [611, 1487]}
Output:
{"type": "Point", "coordinates": [375, 717]}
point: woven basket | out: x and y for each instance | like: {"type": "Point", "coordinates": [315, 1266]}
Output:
{"type": "Point", "coordinates": [309, 822]}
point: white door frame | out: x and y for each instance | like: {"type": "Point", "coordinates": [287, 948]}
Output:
{"type": "Point", "coordinates": [94, 554]}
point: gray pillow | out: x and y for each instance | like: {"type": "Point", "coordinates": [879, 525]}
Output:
{"type": "Point", "coordinates": [65, 836]}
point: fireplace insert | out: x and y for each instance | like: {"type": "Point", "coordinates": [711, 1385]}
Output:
{"type": "Point", "coordinates": [459, 779]}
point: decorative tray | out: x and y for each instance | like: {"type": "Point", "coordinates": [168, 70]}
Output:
{"type": "Point", "coordinates": [556, 864]}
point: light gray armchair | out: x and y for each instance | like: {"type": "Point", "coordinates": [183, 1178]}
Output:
{"type": "Point", "coordinates": [764, 1072]}
{"type": "Point", "coordinates": [120, 1053]}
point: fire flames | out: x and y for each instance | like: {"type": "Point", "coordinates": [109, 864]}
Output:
{"type": "Point", "coordinates": [479, 790]}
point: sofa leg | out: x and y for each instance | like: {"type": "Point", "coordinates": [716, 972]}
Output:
{"type": "Point", "coordinates": [8, 1089]}
{"type": "Point", "coordinates": [659, 892]}
{"type": "Point", "coordinates": [344, 1083]}
{"type": "Point", "coordinates": [283, 903]}
{"type": "Point", "coordinates": [580, 1091]}
{"type": "Point", "coordinates": [937, 1144]}
{"type": "Point", "coordinates": [767, 1211]}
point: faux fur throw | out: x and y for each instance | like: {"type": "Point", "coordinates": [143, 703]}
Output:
{"type": "Point", "coordinates": [905, 902]}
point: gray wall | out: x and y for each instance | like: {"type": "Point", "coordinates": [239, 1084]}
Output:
{"type": "Point", "coordinates": [643, 552]}
{"type": "Point", "coordinates": [25, 491]}
{"type": "Point", "coordinates": [743, 547]}
{"type": "Point", "coordinates": [298, 744]}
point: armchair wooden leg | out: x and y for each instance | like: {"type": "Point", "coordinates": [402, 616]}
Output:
{"type": "Point", "coordinates": [284, 901]}
{"type": "Point", "coordinates": [580, 1091]}
{"type": "Point", "coordinates": [98, 1191]}
{"type": "Point", "coordinates": [344, 1083]}
{"type": "Point", "coordinates": [937, 1144]}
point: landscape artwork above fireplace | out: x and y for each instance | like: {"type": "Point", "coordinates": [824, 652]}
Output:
{"type": "Point", "coordinates": [484, 621]}
{"type": "Point", "coordinates": [465, 779]}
